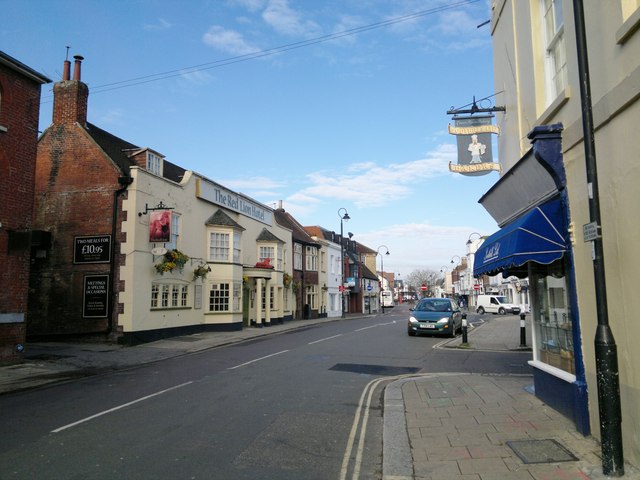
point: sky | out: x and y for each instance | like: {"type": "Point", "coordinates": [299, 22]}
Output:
{"type": "Point", "coordinates": [321, 104]}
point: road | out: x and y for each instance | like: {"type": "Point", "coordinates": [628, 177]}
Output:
{"type": "Point", "coordinates": [302, 404]}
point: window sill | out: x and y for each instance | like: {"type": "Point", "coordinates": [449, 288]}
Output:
{"type": "Point", "coordinates": [153, 309]}
{"type": "Point", "coordinates": [3, 129]}
{"type": "Point", "coordinates": [628, 28]}
{"type": "Point", "coordinates": [556, 372]}
{"type": "Point", "coordinates": [562, 98]}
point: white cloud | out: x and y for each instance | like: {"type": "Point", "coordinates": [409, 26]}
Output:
{"type": "Point", "coordinates": [161, 24]}
{"type": "Point", "coordinates": [368, 184]}
{"type": "Point", "coordinates": [112, 116]}
{"type": "Point", "coordinates": [198, 77]}
{"type": "Point", "coordinates": [288, 21]}
{"type": "Point", "coordinates": [228, 41]}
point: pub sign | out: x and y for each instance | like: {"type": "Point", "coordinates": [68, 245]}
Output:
{"type": "Point", "coordinates": [473, 136]}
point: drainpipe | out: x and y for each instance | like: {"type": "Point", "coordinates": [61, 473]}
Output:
{"type": "Point", "coordinates": [125, 181]}
{"type": "Point", "coordinates": [605, 345]}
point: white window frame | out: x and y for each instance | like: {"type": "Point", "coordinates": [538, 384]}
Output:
{"type": "Point", "coordinates": [237, 246]}
{"type": "Point", "coordinates": [224, 297]}
{"type": "Point", "coordinates": [154, 163]}
{"type": "Point", "coordinates": [312, 294]}
{"type": "Point", "coordinates": [219, 245]}
{"type": "Point", "coordinates": [268, 250]}
{"type": "Point", "coordinates": [312, 258]}
{"type": "Point", "coordinates": [297, 256]}
{"type": "Point", "coordinates": [554, 48]}
{"type": "Point", "coordinates": [175, 232]}
{"type": "Point", "coordinates": [169, 295]}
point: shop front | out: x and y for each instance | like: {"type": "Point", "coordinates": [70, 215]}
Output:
{"type": "Point", "coordinates": [534, 242]}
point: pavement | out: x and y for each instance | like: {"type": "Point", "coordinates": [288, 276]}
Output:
{"type": "Point", "coordinates": [438, 426]}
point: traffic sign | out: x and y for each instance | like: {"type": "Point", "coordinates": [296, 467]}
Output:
{"type": "Point", "coordinates": [423, 287]}
{"type": "Point", "coordinates": [341, 288]}
{"type": "Point", "coordinates": [476, 287]}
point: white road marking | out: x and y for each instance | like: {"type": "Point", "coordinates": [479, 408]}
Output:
{"type": "Point", "coordinates": [323, 339]}
{"type": "Point", "coordinates": [118, 407]}
{"type": "Point", "coordinates": [257, 360]}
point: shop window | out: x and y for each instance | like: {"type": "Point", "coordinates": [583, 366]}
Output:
{"type": "Point", "coordinates": [551, 316]}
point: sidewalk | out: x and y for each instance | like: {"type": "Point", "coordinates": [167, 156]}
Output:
{"type": "Point", "coordinates": [436, 426]}
{"type": "Point", "coordinates": [482, 427]}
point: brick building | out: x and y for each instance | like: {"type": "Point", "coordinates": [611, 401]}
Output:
{"type": "Point", "coordinates": [19, 110]}
{"type": "Point", "coordinates": [217, 260]}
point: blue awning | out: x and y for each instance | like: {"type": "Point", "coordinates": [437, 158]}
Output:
{"type": "Point", "coordinates": [537, 236]}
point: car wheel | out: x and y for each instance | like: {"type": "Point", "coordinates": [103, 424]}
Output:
{"type": "Point", "coordinates": [481, 310]}
{"type": "Point", "coordinates": [502, 311]}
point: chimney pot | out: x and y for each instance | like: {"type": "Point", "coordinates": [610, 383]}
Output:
{"type": "Point", "coordinates": [76, 68]}
{"type": "Point", "coordinates": [66, 71]}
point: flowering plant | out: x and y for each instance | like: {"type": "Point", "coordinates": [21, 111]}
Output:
{"type": "Point", "coordinates": [201, 272]}
{"type": "Point", "coordinates": [286, 280]}
{"type": "Point", "coordinates": [170, 261]}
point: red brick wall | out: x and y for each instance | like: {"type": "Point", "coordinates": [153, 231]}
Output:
{"type": "Point", "coordinates": [75, 185]}
{"type": "Point", "coordinates": [19, 109]}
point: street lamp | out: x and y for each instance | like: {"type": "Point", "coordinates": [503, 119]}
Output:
{"type": "Point", "coordinates": [343, 218]}
{"type": "Point", "coordinates": [382, 270]}
{"type": "Point", "coordinates": [456, 256]}
{"type": "Point", "coordinates": [469, 242]}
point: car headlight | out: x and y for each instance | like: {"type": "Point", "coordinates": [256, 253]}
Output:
{"type": "Point", "coordinates": [413, 320]}
{"type": "Point", "coordinates": [444, 320]}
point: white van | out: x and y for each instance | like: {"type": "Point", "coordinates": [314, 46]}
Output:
{"type": "Point", "coordinates": [386, 298]}
{"type": "Point", "coordinates": [495, 304]}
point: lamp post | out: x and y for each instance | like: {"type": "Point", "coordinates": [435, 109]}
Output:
{"type": "Point", "coordinates": [382, 270]}
{"type": "Point", "coordinates": [469, 241]}
{"type": "Point", "coordinates": [458, 273]}
{"type": "Point", "coordinates": [343, 218]}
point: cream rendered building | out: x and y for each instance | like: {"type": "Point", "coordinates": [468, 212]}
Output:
{"type": "Point", "coordinates": [221, 231]}
{"type": "Point", "coordinates": [537, 80]}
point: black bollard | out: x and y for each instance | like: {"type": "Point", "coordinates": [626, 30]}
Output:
{"type": "Point", "coordinates": [523, 331]}
{"type": "Point", "coordinates": [464, 328]}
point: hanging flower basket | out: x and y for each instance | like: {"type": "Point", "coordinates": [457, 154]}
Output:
{"type": "Point", "coordinates": [296, 287]}
{"type": "Point", "coordinates": [286, 280]}
{"type": "Point", "coordinates": [201, 272]}
{"type": "Point", "coordinates": [173, 259]}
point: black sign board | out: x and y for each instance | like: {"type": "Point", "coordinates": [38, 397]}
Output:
{"type": "Point", "coordinates": [93, 249]}
{"type": "Point", "coordinates": [96, 296]}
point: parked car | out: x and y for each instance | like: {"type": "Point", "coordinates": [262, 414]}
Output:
{"type": "Point", "coordinates": [495, 304]}
{"type": "Point", "coordinates": [435, 316]}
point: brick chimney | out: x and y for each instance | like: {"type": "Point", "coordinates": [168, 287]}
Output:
{"type": "Point", "coordinates": [70, 97]}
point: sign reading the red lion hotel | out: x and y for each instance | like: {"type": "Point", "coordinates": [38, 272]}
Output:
{"type": "Point", "coordinates": [475, 156]}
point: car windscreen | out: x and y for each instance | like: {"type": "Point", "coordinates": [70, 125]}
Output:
{"type": "Point", "coordinates": [434, 305]}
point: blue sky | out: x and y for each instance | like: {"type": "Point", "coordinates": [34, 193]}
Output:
{"type": "Point", "coordinates": [268, 98]}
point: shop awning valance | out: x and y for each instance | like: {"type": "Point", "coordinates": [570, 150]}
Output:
{"type": "Point", "coordinates": [537, 236]}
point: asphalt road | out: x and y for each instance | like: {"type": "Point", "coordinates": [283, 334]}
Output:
{"type": "Point", "coordinates": [304, 404]}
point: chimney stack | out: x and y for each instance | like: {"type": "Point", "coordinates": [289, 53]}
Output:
{"type": "Point", "coordinates": [70, 97]}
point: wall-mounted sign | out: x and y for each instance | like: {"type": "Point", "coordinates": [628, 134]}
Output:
{"type": "Point", "coordinates": [214, 193]}
{"type": "Point", "coordinates": [475, 155]}
{"type": "Point", "coordinates": [95, 302]}
{"type": "Point", "coordinates": [160, 226]}
{"type": "Point", "coordinates": [92, 249]}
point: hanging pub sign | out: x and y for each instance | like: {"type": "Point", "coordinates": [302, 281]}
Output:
{"type": "Point", "coordinates": [160, 226]}
{"type": "Point", "coordinates": [96, 296]}
{"type": "Point", "coordinates": [475, 155]}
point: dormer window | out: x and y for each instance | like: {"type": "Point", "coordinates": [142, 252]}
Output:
{"type": "Point", "coordinates": [154, 163]}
